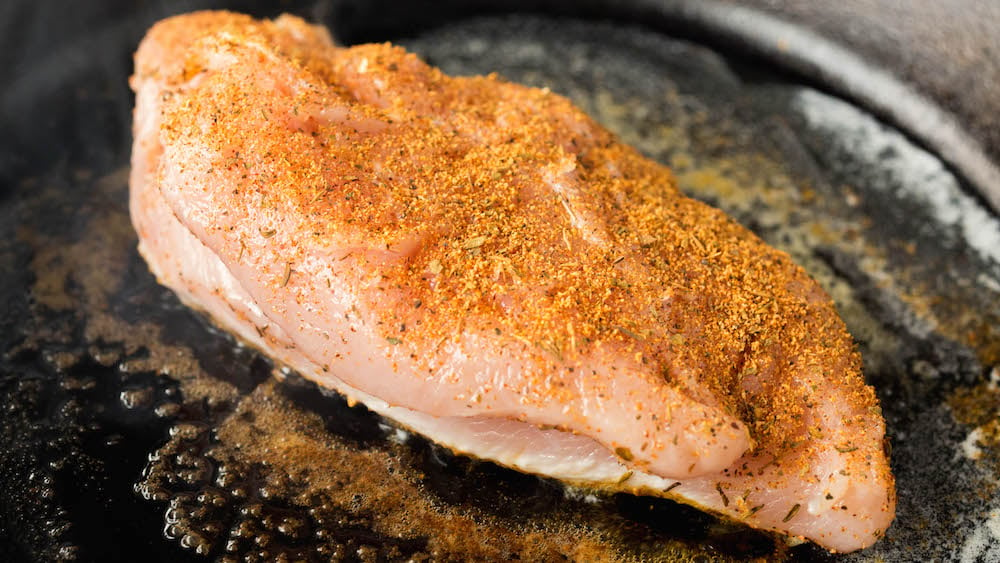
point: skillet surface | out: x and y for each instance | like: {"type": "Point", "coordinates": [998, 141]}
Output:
{"type": "Point", "coordinates": [130, 425]}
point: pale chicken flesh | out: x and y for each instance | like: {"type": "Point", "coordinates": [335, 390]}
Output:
{"type": "Point", "coordinates": [482, 263]}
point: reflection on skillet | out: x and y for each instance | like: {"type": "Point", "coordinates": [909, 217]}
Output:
{"type": "Point", "coordinates": [245, 465]}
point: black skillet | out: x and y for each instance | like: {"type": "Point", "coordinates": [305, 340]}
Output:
{"type": "Point", "coordinates": [131, 429]}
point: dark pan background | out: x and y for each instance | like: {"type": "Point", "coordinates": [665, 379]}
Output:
{"type": "Point", "coordinates": [123, 414]}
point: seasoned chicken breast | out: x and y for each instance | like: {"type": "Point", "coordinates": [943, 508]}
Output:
{"type": "Point", "coordinates": [484, 264]}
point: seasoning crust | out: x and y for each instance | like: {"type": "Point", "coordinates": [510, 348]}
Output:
{"type": "Point", "coordinates": [446, 207]}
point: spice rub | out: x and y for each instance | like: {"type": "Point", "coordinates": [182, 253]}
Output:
{"type": "Point", "coordinates": [486, 265]}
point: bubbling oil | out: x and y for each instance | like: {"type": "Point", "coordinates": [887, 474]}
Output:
{"type": "Point", "coordinates": [243, 462]}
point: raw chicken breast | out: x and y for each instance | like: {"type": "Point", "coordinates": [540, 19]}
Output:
{"type": "Point", "coordinates": [484, 264]}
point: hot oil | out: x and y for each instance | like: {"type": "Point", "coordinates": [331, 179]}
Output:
{"type": "Point", "coordinates": [247, 463]}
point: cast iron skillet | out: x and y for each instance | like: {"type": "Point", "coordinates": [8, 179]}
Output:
{"type": "Point", "coordinates": [130, 427]}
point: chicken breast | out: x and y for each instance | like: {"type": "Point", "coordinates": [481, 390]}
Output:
{"type": "Point", "coordinates": [482, 263]}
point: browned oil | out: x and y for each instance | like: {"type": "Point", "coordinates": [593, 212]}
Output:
{"type": "Point", "coordinates": [978, 408]}
{"type": "Point", "coordinates": [259, 465]}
